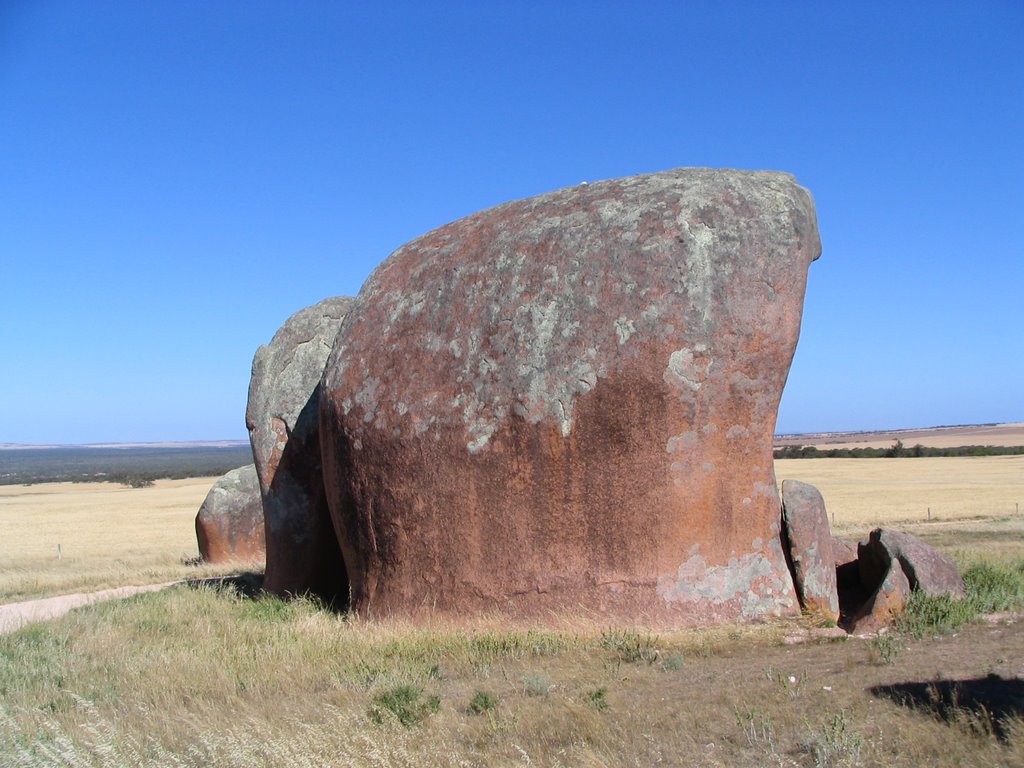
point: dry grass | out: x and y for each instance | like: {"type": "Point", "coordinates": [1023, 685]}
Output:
{"type": "Point", "coordinates": [197, 677]}
{"type": "Point", "coordinates": [108, 536]}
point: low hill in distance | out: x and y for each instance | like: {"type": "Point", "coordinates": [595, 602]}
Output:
{"type": "Point", "coordinates": [130, 464]}
{"type": "Point", "coordinates": [1006, 435]}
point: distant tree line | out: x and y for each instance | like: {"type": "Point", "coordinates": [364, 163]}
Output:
{"type": "Point", "coordinates": [895, 451]}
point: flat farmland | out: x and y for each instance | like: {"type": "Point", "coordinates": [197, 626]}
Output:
{"type": "Point", "coordinates": [1006, 434]}
{"type": "Point", "coordinates": [972, 505]}
{"type": "Point", "coordinates": [876, 491]}
{"type": "Point", "coordinates": [107, 535]}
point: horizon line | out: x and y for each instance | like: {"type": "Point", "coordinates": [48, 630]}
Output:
{"type": "Point", "coordinates": [244, 441]}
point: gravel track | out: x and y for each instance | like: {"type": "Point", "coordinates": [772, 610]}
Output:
{"type": "Point", "coordinates": [16, 615]}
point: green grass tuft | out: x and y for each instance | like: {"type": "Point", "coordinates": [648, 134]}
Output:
{"type": "Point", "coordinates": [926, 615]}
{"type": "Point", "coordinates": [995, 587]}
{"type": "Point", "coordinates": [405, 703]}
{"type": "Point", "coordinates": [630, 646]}
{"type": "Point", "coordinates": [483, 702]}
{"type": "Point", "coordinates": [598, 699]}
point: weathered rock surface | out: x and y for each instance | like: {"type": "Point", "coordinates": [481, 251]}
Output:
{"type": "Point", "coordinates": [807, 535]}
{"type": "Point", "coordinates": [567, 403]}
{"type": "Point", "coordinates": [229, 525]}
{"type": "Point", "coordinates": [898, 563]}
{"type": "Point", "coordinates": [843, 552]}
{"type": "Point", "coordinates": [302, 549]}
{"type": "Point", "coordinates": [926, 569]}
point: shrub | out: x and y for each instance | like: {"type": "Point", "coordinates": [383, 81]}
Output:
{"type": "Point", "coordinates": [994, 587]}
{"type": "Point", "coordinates": [672, 662]}
{"type": "Point", "coordinates": [887, 647]}
{"type": "Point", "coordinates": [405, 703]}
{"type": "Point", "coordinates": [482, 702]}
{"type": "Point", "coordinates": [934, 615]}
{"type": "Point", "coordinates": [598, 699]}
{"type": "Point", "coordinates": [630, 646]}
{"type": "Point", "coordinates": [537, 684]}
{"type": "Point", "coordinates": [834, 744]}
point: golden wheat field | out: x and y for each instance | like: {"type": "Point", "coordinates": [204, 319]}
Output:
{"type": "Point", "coordinates": [871, 492]}
{"type": "Point", "coordinates": [107, 535]}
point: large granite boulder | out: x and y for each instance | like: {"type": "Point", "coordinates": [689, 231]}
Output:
{"type": "Point", "coordinates": [809, 543]}
{"type": "Point", "coordinates": [567, 403]}
{"type": "Point", "coordinates": [302, 549]}
{"type": "Point", "coordinates": [229, 525]}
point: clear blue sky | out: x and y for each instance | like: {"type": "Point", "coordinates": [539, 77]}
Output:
{"type": "Point", "coordinates": [176, 178]}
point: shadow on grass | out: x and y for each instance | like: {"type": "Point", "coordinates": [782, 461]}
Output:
{"type": "Point", "coordinates": [984, 704]}
{"type": "Point", "coordinates": [249, 584]}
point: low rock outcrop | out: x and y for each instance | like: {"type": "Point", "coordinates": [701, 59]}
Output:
{"type": "Point", "coordinates": [567, 403]}
{"type": "Point", "coordinates": [870, 582]}
{"type": "Point", "coordinates": [302, 549]}
{"type": "Point", "coordinates": [899, 563]}
{"type": "Point", "coordinates": [925, 568]}
{"type": "Point", "coordinates": [809, 544]}
{"type": "Point", "coordinates": [229, 525]}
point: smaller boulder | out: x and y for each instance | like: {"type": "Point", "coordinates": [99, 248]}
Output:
{"type": "Point", "coordinates": [899, 563]}
{"type": "Point", "coordinates": [805, 524]}
{"type": "Point", "coordinates": [229, 525]}
{"type": "Point", "coordinates": [281, 415]}
{"type": "Point", "coordinates": [925, 568]}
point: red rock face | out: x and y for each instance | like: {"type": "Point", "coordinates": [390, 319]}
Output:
{"type": "Point", "coordinates": [229, 524]}
{"type": "Point", "coordinates": [567, 403]}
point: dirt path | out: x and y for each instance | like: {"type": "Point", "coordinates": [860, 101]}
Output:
{"type": "Point", "coordinates": [16, 615]}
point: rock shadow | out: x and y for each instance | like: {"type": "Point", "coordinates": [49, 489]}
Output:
{"type": "Point", "coordinates": [248, 584]}
{"type": "Point", "coordinates": [303, 555]}
{"type": "Point", "coordinates": [853, 592]}
{"type": "Point", "coordinates": [984, 704]}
